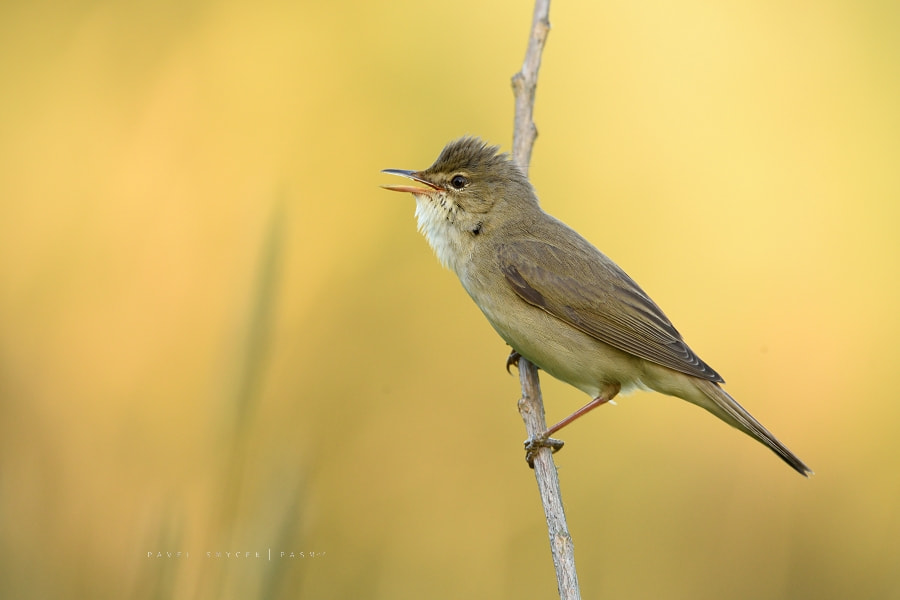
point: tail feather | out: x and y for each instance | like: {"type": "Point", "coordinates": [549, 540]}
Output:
{"type": "Point", "coordinates": [726, 408]}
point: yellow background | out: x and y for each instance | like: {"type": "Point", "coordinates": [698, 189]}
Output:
{"type": "Point", "coordinates": [217, 334]}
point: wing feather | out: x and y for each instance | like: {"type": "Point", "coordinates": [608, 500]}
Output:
{"type": "Point", "coordinates": [585, 289]}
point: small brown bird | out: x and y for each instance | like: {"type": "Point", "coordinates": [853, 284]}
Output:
{"type": "Point", "coordinates": [553, 297]}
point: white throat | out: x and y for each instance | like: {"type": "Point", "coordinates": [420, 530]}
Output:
{"type": "Point", "coordinates": [436, 218]}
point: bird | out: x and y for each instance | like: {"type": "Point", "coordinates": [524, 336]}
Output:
{"type": "Point", "coordinates": [552, 296]}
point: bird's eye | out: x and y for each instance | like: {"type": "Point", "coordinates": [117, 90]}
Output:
{"type": "Point", "coordinates": [458, 182]}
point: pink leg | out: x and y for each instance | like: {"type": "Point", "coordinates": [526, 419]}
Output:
{"type": "Point", "coordinates": [598, 401]}
{"type": "Point", "coordinates": [544, 440]}
{"type": "Point", "coordinates": [608, 393]}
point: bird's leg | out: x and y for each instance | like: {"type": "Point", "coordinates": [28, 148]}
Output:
{"type": "Point", "coordinates": [544, 440]}
{"type": "Point", "coordinates": [606, 394]}
{"type": "Point", "coordinates": [512, 361]}
{"type": "Point", "coordinates": [536, 443]}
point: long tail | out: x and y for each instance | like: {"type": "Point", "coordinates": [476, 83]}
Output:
{"type": "Point", "coordinates": [726, 408]}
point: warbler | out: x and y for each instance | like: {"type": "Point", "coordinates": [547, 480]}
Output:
{"type": "Point", "coordinates": [552, 296]}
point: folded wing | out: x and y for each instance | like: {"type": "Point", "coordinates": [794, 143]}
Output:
{"type": "Point", "coordinates": [584, 288]}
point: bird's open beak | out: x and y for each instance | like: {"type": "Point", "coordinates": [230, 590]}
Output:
{"type": "Point", "coordinates": [414, 175]}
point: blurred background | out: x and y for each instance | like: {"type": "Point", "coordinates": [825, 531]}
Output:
{"type": "Point", "coordinates": [231, 368]}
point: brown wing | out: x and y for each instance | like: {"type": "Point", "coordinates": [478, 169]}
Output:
{"type": "Point", "coordinates": [584, 288]}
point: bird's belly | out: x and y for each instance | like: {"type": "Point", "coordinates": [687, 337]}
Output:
{"type": "Point", "coordinates": [564, 352]}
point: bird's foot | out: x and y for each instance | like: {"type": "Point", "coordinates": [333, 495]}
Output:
{"type": "Point", "coordinates": [541, 441]}
{"type": "Point", "coordinates": [512, 361]}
